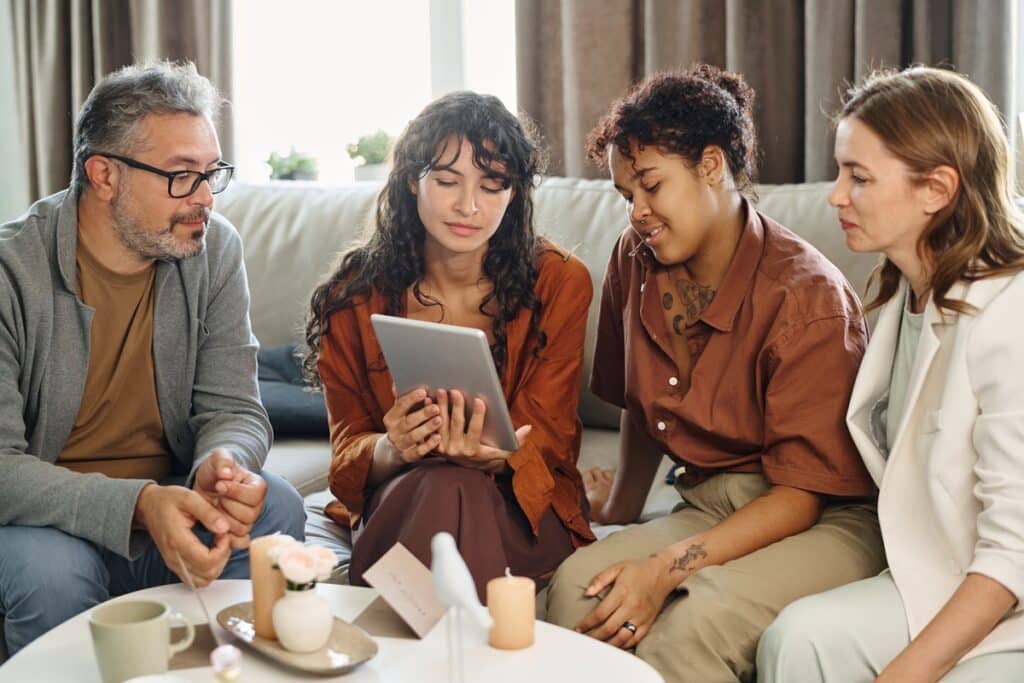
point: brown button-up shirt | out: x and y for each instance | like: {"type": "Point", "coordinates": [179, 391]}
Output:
{"type": "Point", "coordinates": [541, 389]}
{"type": "Point", "coordinates": [768, 391]}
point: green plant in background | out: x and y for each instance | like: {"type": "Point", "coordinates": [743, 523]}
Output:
{"type": "Point", "coordinates": [292, 166]}
{"type": "Point", "coordinates": [372, 148]}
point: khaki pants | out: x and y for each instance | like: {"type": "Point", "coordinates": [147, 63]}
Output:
{"type": "Point", "coordinates": [709, 634]}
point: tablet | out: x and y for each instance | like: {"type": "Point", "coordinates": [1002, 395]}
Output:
{"type": "Point", "coordinates": [436, 356]}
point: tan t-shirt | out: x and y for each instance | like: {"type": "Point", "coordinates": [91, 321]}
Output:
{"type": "Point", "coordinates": [118, 430]}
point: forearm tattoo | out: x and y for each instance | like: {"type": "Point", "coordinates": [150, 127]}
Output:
{"type": "Point", "coordinates": [688, 559]}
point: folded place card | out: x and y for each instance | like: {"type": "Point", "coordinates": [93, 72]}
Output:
{"type": "Point", "coordinates": [405, 584]}
{"type": "Point", "coordinates": [380, 621]}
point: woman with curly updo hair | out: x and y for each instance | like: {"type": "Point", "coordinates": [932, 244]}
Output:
{"type": "Point", "coordinates": [731, 345]}
{"type": "Point", "coordinates": [454, 243]}
{"type": "Point", "coordinates": [925, 178]}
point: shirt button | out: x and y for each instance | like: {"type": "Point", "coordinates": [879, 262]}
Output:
{"type": "Point", "coordinates": [673, 381]}
{"type": "Point", "coordinates": [641, 287]}
{"type": "Point", "coordinates": [661, 426]}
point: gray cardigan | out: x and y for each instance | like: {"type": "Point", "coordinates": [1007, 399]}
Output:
{"type": "Point", "coordinates": [204, 357]}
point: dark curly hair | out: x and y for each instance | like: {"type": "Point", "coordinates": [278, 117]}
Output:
{"type": "Point", "coordinates": [683, 113]}
{"type": "Point", "coordinates": [391, 259]}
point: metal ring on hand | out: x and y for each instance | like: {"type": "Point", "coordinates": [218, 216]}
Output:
{"type": "Point", "coordinates": [630, 626]}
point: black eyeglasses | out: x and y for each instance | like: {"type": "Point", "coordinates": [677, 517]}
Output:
{"type": "Point", "coordinates": [183, 183]}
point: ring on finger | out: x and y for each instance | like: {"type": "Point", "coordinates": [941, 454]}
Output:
{"type": "Point", "coordinates": [629, 626]}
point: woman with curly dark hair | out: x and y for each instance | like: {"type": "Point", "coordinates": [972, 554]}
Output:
{"type": "Point", "coordinates": [731, 346]}
{"type": "Point", "coordinates": [454, 243]}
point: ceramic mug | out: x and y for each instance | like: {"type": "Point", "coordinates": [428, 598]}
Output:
{"type": "Point", "coordinates": [133, 637]}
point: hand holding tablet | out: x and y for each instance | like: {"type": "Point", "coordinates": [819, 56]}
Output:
{"type": "Point", "coordinates": [413, 425]}
{"type": "Point", "coordinates": [461, 442]}
{"type": "Point", "coordinates": [449, 369]}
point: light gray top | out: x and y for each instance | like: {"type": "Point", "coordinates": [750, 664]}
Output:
{"type": "Point", "coordinates": [902, 366]}
{"type": "Point", "coordinates": [204, 358]}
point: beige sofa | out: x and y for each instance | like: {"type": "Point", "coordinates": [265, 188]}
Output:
{"type": "Point", "coordinates": [293, 230]}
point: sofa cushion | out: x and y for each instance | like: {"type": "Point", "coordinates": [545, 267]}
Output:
{"type": "Point", "coordinates": [292, 232]}
{"type": "Point", "coordinates": [303, 462]}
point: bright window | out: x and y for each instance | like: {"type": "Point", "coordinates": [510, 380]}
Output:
{"type": "Point", "coordinates": [315, 75]}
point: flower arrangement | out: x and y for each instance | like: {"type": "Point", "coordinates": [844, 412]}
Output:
{"type": "Point", "coordinates": [302, 565]}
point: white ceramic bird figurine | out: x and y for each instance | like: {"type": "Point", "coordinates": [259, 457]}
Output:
{"type": "Point", "coordinates": [452, 581]}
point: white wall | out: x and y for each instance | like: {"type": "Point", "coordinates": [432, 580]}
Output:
{"type": "Point", "coordinates": [14, 197]}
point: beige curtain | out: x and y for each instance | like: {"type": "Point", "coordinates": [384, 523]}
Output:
{"type": "Point", "coordinates": [575, 56]}
{"type": "Point", "coordinates": [63, 47]}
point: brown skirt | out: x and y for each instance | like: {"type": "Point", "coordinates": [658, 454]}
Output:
{"type": "Point", "coordinates": [479, 510]}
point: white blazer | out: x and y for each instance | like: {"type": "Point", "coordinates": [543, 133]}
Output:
{"type": "Point", "coordinates": [951, 493]}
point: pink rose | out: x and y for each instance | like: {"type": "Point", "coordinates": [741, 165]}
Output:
{"type": "Point", "coordinates": [286, 543]}
{"type": "Point", "coordinates": [298, 565]}
{"type": "Point", "coordinates": [324, 560]}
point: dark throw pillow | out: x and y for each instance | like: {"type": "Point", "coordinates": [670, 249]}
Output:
{"type": "Point", "coordinates": [293, 410]}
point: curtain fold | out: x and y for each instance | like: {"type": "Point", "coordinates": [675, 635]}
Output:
{"type": "Point", "coordinates": [574, 57]}
{"type": "Point", "coordinates": [63, 47]}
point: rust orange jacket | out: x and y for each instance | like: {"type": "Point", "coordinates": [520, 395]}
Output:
{"type": "Point", "coordinates": [541, 389]}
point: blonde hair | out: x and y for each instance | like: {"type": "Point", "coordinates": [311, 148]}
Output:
{"type": "Point", "coordinates": [929, 118]}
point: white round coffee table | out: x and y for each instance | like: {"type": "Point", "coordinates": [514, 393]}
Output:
{"type": "Point", "coordinates": [66, 654]}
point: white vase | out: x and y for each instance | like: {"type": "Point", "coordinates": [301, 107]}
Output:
{"type": "Point", "coordinates": [302, 620]}
{"type": "Point", "coordinates": [371, 172]}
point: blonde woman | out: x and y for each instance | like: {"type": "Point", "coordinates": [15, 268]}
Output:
{"type": "Point", "coordinates": [937, 410]}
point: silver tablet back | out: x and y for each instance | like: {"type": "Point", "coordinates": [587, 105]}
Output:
{"type": "Point", "coordinates": [436, 356]}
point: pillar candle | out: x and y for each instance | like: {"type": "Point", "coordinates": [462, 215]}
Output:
{"type": "Point", "coordinates": [267, 583]}
{"type": "Point", "coordinates": [511, 601]}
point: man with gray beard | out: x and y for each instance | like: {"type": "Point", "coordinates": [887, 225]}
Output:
{"type": "Point", "coordinates": [132, 437]}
